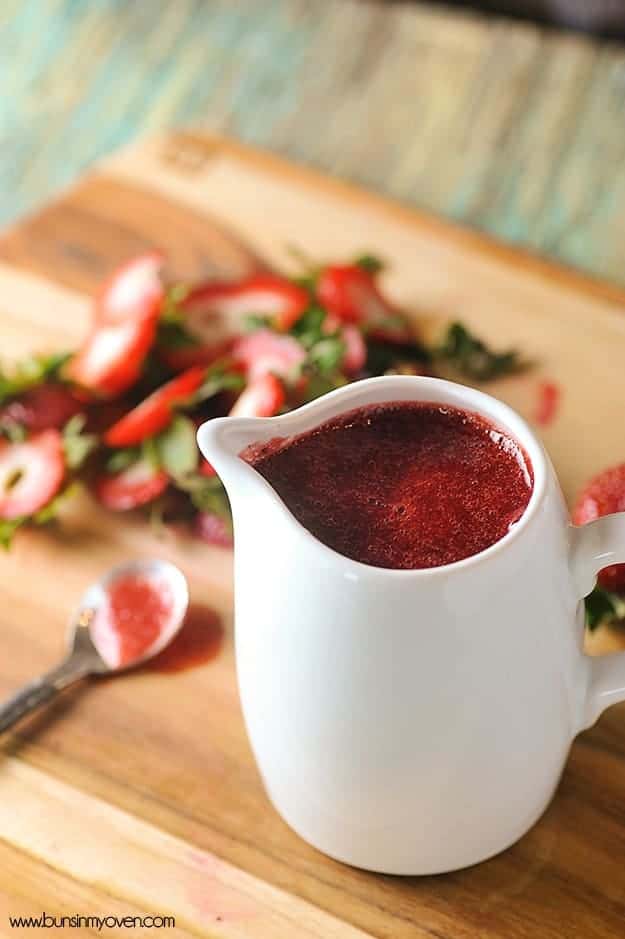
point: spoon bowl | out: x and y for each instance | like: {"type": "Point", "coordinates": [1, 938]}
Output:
{"type": "Point", "coordinates": [91, 647]}
{"type": "Point", "coordinates": [95, 598]}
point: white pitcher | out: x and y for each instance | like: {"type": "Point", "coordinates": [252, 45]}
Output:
{"type": "Point", "coordinates": [412, 721]}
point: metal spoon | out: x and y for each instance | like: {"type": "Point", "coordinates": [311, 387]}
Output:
{"type": "Point", "coordinates": [83, 657]}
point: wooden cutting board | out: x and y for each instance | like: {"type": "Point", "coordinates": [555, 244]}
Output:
{"type": "Point", "coordinates": [140, 795]}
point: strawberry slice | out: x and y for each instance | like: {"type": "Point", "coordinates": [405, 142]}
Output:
{"type": "Point", "coordinates": [206, 469]}
{"type": "Point", "coordinates": [603, 495]}
{"type": "Point", "coordinates": [31, 473]}
{"type": "Point", "coordinates": [42, 407]}
{"type": "Point", "coordinates": [263, 352]}
{"type": "Point", "coordinates": [214, 529]}
{"type": "Point", "coordinates": [126, 314]}
{"type": "Point", "coordinates": [263, 397]}
{"type": "Point", "coordinates": [216, 311]}
{"type": "Point", "coordinates": [350, 293]}
{"type": "Point", "coordinates": [137, 485]}
{"type": "Point", "coordinates": [183, 357]}
{"type": "Point", "coordinates": [134, 291]}
{"type": "Point", "coordinates": [355, 355]}
{"type": "Point", "coordinates": [155, 412]}
{"type": "Point", "coordinates": [111, 359]}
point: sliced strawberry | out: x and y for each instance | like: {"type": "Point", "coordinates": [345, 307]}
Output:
{"type": "Point", "coordinates": [206, 468]}
{"type": "Point", "coordinates": [350, 293]}
{"type": "Point", "coordinates": [263, 397]}
{"type": "Point", "coordinates": [216, 311]}
{"type": "Point", "coordinates": [126, 314]}
{"type": "Point", "coordinates": [613, 578]}
{"type": "Point", "coordinates": [183, 357]}
{"type": "Point", "coordinates": [111, 359]}
{"type": "Point", "coordinates": [155, 412]}
{"type": "Point", "coordinates": [549, 395]}
{"type": "Point", "coordinates": [355, 355]}
{"type": "Point", "coordinates": [263, 351]}
{"type": "Point", "coordinates": [214, 529]}
{"type": "Point", "coordinates": [103, 414]}
{"type": "Point", "coordinates": [31, 473]}
{"type": "Point", "coordinates": [603, 495]}
{"type": "Point", "coordinates": [137, 485]}
{"type": "Point", "coordinates": [42, 407]}
{"type": "Point", "coordinates": [133, 291]}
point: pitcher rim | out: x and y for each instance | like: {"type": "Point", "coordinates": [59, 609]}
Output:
{"type": "Point", "coordinates": [465, 397]}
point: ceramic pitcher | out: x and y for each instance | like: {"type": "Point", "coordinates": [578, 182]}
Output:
{"type": "Point", "coordinates": [412, 721]}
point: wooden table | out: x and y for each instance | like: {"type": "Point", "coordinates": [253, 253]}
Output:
{"type": "Point", "coordinates": [504, 126]}
{"type": "Point", "coordinates": [140, 796]}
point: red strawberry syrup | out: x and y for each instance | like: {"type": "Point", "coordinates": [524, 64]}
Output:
{"type": "Point", "coordinates": [401, 485]}
{"type": "Point", "coordinates": [199, 641]}
{"type": "Point", "coordinates": [137, 609]}
{"type": "Point", "coordinates": [549, 395]}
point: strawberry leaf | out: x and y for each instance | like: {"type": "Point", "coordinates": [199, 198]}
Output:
{"type": "Point", "coordinates": [13, 431]}
{"type": "Point", "coordinates": [309, 327]}
{"type": "Point", "coordinates": [603, 608]}
{"type": "Point", "coordinates": [77, 445]}
{"type": "Point", "coordinates": [122, 459]}
{"type": "Point", "coordinates": [171, 332]}
{"type": "Point", "coordinates": [472, 358]}
{"type": "Point", "coordinates": [177, 449]}
{"type": "Point", "coordinates": [318, 385]}
{"type": "Point", "coordinates": [218, 379]}
{"type": "Point", "coordinates": [384, 357]}
{"type": "Point", "coordinates": [31, 371]}
{"type": "Point", "coordinates": [150, 453]}
{"type": "Point", "coordinates": [212, 498]}
{"type": "Point", "coordinates": [196, 482]}
{"type": "Point", "coordinates": [207, 493]}
{"type": "Point", "coordinates": [49, 511]}
{"type": "Point", "coordinates": [370, 263]}
{"type": "Point", "coordinates": [327, 354]}
{"type": "Point", "coordinates": [254, 321]}
{"type": "Point", "coordinates": [8, 529]}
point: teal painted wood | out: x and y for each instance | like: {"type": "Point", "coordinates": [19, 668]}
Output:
{"type": "Point", "coordinates": [499, 125]}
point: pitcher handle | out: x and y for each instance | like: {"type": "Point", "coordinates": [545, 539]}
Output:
{"type": "Point", "coordinates": [595, 546]}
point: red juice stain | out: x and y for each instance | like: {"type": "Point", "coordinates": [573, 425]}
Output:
{"type": "Point", "coordinates": [549, 395]}
{"type": "Point", "coordinates": [199, 641]}
{"type": "Point", "coordinates": [137, 609]}
{"type": "Point", "coordinates": [401, 485]}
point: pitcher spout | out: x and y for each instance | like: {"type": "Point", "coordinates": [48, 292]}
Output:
{"type": "Point", "coordinates": [256, 507]}
{"type": "Point", "coordinates": [223, 439]}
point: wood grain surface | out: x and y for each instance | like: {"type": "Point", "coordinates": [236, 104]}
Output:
{"type": "Point", "coordinates": [143, 866]}
{"type": "Point", "coordinates": [509, 127]}
{"type": "Point", "coordinates": [109, 801]}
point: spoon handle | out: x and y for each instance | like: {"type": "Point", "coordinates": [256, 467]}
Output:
{"type": "Point", "coordinates": [41, 691]}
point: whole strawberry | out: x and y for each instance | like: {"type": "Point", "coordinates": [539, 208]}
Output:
{"type": "Point", "coordinates": [603, 495]}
